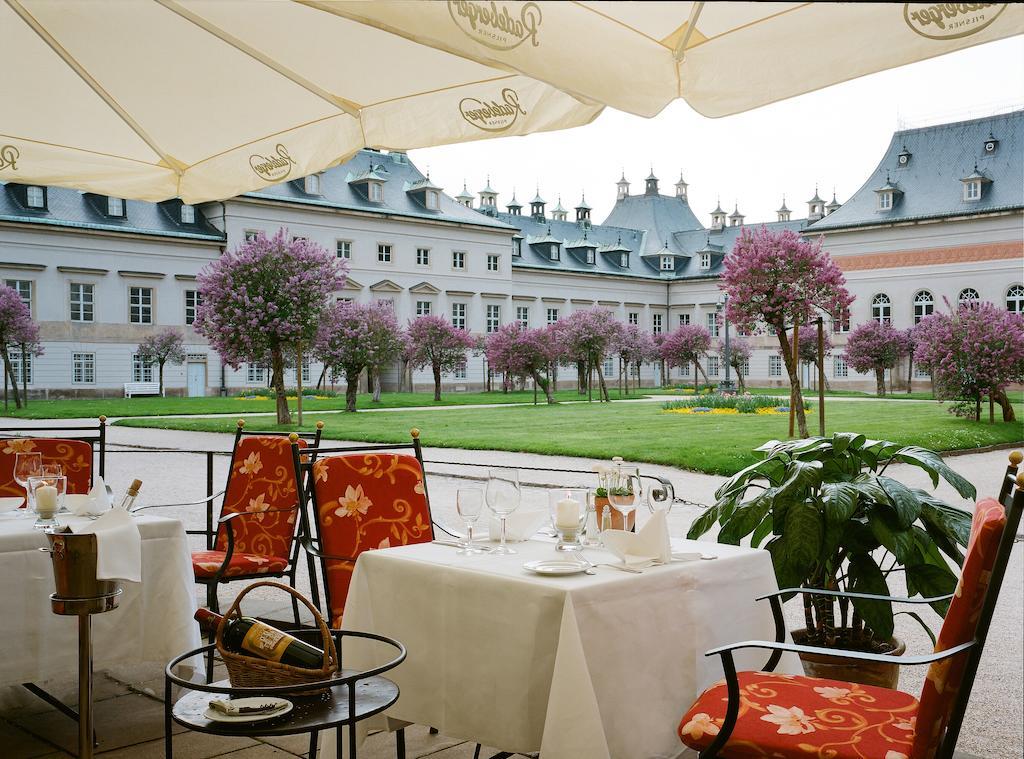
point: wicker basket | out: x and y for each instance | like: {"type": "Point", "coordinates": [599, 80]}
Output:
{"type": "Point", "coordinates": [246, 671]}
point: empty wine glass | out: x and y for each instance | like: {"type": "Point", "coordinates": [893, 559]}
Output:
{"type": "Point", "coordinates": [469, 502]}
{"type": "Point", "coordinates": [27, 465]}
{"type": "Point", "coordinates": [625, 492]}
{"type": "Point", "coordinates": [502, 493]}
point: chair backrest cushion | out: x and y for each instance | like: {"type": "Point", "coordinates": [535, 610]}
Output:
{"type": "Point", "coordinates": [74, 456]}
{"type": "Point", "coordinates": [945, 677]}
{"type": "Point", "coordinates": [262, 481]}
{"type": "Point", "coordinates": [365, 502]}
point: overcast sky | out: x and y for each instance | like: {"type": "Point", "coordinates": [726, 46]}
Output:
{"type": "Point", "coordinates": [830, 138]}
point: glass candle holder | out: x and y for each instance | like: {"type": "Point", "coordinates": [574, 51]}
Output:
{"type": "Point", "coordinates": [47, 499]}
{"type": "Point", "coordinates": [568, 510]}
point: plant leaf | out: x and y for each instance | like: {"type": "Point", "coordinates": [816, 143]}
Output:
{"type": "Point", "coordinates": [930, 581]}
{"type": "Point", "coordinates": [803, 531]}
{"type": "Point", "coordinates": [858, 539]}
{"type": "Point", "coordinates": [743, 521]}
{"type": "Point", "coordinates": [703, 523]}
{"type": "Point", "coordinates": [899, 542]}
{"type": "Point", "coordinates": [921, 622]}
{"type": "Point", "coordinates": [932, 463]}
{"type": "Point", "coordinates": [840, 499]}
{"type": "Point", "coordinates": [867, 484]}
{"type": "Point", "coordinates": [953, 522]}
{"type": "Point", "coordinates": [865, 577]}
{"type": "Point", "coordinates": [843, 440]}
{"type": "Point", "coordinates": [800, 476]}
{"type": "Point", "coordinates": [904, 502]}
{"type": "Point", "coordinates": [786, 575]}
{"type": "Point", "coordinates": [762, 531]}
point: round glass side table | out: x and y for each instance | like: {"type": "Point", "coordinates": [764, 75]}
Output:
{"type": "Point", "coordinates": [341, 701]}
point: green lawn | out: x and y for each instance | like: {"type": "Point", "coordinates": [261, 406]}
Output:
{"type": "Point", "coordinates": [641, 432]}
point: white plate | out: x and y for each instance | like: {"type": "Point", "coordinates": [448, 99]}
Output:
{"type": "Point", "coordinates": [215, 716]}
{"type": "Point", "coordinates": [555, 567]}
{"type": "Point", "coordinates": [10, 503]}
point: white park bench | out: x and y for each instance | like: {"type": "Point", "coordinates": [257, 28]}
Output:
{"type": "Point", "coordinates": [141, 388]}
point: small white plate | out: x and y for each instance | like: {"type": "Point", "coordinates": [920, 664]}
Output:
{"type": "Point", "coordinates": [555, 567]}
{"type": "Point", "coordinates": [286, 706]}
{"type": "Point", "coordinates": [10, 503]}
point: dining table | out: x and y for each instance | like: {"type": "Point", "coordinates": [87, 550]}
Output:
{"type": "Point", "coordinates": [152, 623]}
{"type": "Point", "coordinates": [599, 665]}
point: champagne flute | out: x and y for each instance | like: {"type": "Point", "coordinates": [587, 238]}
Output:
{"type": "Point", "coordinates": [469, 502]}
{"type": "Point", "coordinates": [625, 494]}
{"type": "Point", "coordinates": [502, 493]}
{"type": "Point", "coordinates": [27, 465]}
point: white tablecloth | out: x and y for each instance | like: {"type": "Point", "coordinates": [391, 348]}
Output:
{"type": "Point", "coordinates": [599, 666]}
{"type": "Point", "coordinates": [153, 621]}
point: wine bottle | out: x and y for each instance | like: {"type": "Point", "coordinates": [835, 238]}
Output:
{"type": "Point", "coordinates": [250, 636]}
{"type": "Point", "coordinates": [131, 495]}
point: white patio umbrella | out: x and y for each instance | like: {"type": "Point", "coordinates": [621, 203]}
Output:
{"type": "Point", "coordinates": [205, 99]}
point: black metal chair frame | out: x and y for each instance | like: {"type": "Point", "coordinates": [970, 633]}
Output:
{"type": "Point", "coordinates": [1011, 496]}
{"type": "Point", "coordinates": [95, 435]}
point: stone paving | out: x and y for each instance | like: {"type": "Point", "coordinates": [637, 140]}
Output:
{"type": "Point", "coordinates": [129, 708]}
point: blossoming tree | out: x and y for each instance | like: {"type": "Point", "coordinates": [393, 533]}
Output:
{"type": "Point", "coordinates": [635, 347]}
{"type": "Point", "coordinates": [739, 356]}
{"type": "Point", "coordinates": [685, 345]}
{"type": "Point", "coordinates": [586, 337]}
{"type": "Point", "coordinates": [354, 337]}
{"type": "Point", "coordinates": [433, 341]}
{"type": "Point", "coordinates": [521, 352]}
{"type": "Point", "coordinates": [265, 298]}
{"type": "Point", "coordinates": [160, 348]}
{"type": "Point", "coordinates": [874, 347]}
{"type": "Point", "coordinates": [17, 330]}
{"type": "Point", "coordinates": [975, 351]}
{"type": "Point", "coordinates": [776, 279]}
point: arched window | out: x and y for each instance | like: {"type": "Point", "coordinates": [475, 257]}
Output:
{"type": "Point", "coordinates": [924, 304]}
{"type": "Point", "coordinates": [1015, 299]}
{"type": "Point", "coordinates": [968, 297]}
{"type": "Point", "coordinates": [881, 309]}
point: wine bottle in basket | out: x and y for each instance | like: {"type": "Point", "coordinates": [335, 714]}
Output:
{"type": "Point", "coordinates": [250, 636]}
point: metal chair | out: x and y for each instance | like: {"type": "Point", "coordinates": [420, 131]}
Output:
{"type": "Point", "coordinates": [75, 447]}
{"type": "Point", "coordinates": [777, 715]}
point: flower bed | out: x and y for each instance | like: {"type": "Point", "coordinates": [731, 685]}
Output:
{"type": "Point", "coordinates": [730, 404]}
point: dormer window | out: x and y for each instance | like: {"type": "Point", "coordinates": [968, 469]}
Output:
{"type": "Point", "coordinates": [667, 263]}
{"type": "Point", "coordinates": [312, 184]}
{"type": "Point", "coordinates": [554, 252]}
{"type": "Point", "coordinates": [990, 146]}
{"type": "Point", "coordinates": [115, 207]}
{"type": "Point", "coordinates": [624, 260]}
{"type": "Point", "coordinates": [188, 214]}
{"type": "Point", "coordinates": [972, 189]}
{"type": "Point", "coordinates": [375, 190]}
{"type": "Point", "coordinates": [35, 196]}
{"type": "Point", "coordinates": [885, 200]}
{"type": "Point", "coordinates": [590, 255]}
{"type": "Point", "coordinates": [517, 247]}
{"type": "Point", "coordinates": [433, 202]}
{"type": "Point", "coordinates": [705, 261]}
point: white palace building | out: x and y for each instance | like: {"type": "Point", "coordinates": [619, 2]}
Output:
{"type": "Point", "coordinates": [940, 217]}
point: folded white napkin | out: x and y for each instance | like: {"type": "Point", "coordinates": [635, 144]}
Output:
{"type": "Point", "coordinates": [519, 525]}
{"type": "Point", "coordinates": [96, 501]}
{"type": "Point", "coordinates": [650, 543]}
{"type": "Point", "coordinates": [118, 546]}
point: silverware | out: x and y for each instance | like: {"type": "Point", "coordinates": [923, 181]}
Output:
{"type": "Point", "coordinates": [613, 565]}
{"type": "Point", "coordinates": [456, 544]}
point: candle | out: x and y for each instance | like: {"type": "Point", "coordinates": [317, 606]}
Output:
{"type": "Point", "coordinates": [567, 513]}
{"type": "Point", "coordinates": [46, 501]}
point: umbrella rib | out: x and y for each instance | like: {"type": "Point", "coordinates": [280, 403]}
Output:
{"type": "Point", "coordinates": [691, 24]}
{"type": "Point", "coordinates": [170, 162]}
{"type": "Point", "coordinates": [349, 107]}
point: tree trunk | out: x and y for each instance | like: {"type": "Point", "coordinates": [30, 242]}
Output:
{"type": "Point", "coordinates": [698, 368]}
{"type": "Point", "coordinates": [375, 373]}
{"type": "Point", "coordinates": [437, 381]}
{"type": "Point", "coordinates": [160, 368]}
{"type": "Point", "coordinates": [581, 378]}
{"type": "Point", "coordinates": [977, 407]}
{"type": "Point", "coordinates": [320, 383]}
{"type": "Point", "coordinates": [602, 386]}
{"type": "Point", "coordinates": [24, 376]}
{"type": "Point", "coordinates": [910, 374]}
{"type": "Point", "coordinates": [284, 416]}
{"type": "Point", "coordinates": [9, 368]}
{"type": "Point", "coordinates": [796, 397]}
{"type": "Point", "coordinates": [298, 380]}
{"type": "Point", "coordinates": [879, 382]}
{"type": "Point", "coordinates": [351, 390]}
{"type": "Point", "coordinates": [545, 385]}
{"type": "Point", "coordinates": [741, 386]}
{"type": "Point", "coordinates": [999, 396]}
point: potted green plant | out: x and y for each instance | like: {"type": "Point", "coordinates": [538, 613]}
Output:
{"type": "Point", "coordinates": [832, 518]}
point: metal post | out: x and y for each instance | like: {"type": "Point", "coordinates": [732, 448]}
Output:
{"type": "Point", "coordinates": [821, 377]}
{"type": "Point", "coordinates": [298, 379]}
{"type": "Point", "coordinates": [209, 501]}
{"type": "Point", "coordinates": [84, 686]}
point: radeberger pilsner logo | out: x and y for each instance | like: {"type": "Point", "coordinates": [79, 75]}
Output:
{"type": "Point", "coordinates": [9, 156]}
{"type": "Point", "coordinates": [497, 26]}
{"type": "Point", "coordinates": [273, 167]}
{"type": "Point", "coordinates": [949, 21]}
{"type": "Point", "coordinates": [493, 115]}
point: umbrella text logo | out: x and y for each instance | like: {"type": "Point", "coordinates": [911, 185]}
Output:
{"type": "Point", "coordinates": [273, 167]}
{"type": "Point", "coordinates": [496, 27]}
{"type": "Point", "coordinates": [949, 21]}
{"type": "Point", "coordinates": [493, 116]}
{"type": "Point", "coordinates": [9, 156]}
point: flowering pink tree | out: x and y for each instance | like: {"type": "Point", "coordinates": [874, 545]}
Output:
{"type": "Point", "coordinates": [17, 330]}
{"type": "Point", "coordinates": [976, 351]}
{"type": "Point", "coordinates": [775, 279]}
{"type": "Point", "coordinates": [264, 298]}
{"type": "Point", "coordinates": [520, 352]}
{"type": "Point", "coordinates": [809, 345]}
{"type": "Point", "coordinates": [586, 337]}
{"type": "Point", "coordinates": [433, 341]}
{"type": "Point", "coordinates": [160, 348]}
{"type": "Point", "coordinates": [739, 354]}
{"type": "Point", "coordinates": [354, 337]}
{"type": "Point", "coordinates": [874, 347]}
{"type": "Point", "coordinates": [686, 345]}
{"type": "Point", "coordinates": [635, 347]}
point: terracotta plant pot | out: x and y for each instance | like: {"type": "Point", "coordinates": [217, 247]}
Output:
{"type": "Point", "coordinates": [851, 670]}
{"type": "Point", "coordinates": [601, 501]}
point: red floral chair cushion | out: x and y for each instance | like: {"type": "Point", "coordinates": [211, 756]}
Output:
{"type": "Point", "coordinates": [206, 564]}
{"type": "Point", "coordinates": [262, 480]}
{"type": "Point", "coordinates": [959, 626]}
{"type": "Point", "coordinates": [74, 456]}
{"type": "Point", "coordinates": [365, 502]}
{"type": "Point", "coordinates": [797, 716]}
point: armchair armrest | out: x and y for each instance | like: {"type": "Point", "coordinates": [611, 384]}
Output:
{"type": "Point", "coordinates": [841, 653]}
{"type": "Point", "coordinates": [226, 520]}
{"type": "Point", "coordinates": [207, 500]}
{"type": "Point", "coordinates": [848, 594]}
{"type": "Point", "coordinates": [312, 550]}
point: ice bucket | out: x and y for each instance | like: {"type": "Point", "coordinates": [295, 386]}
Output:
{"type": "Point", "coordinates": [74, 567]}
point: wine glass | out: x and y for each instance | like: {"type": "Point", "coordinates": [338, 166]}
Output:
{"type": "Point", "coordinates": [27, 465]}
{"type": "Point", "coordinates": [48, 497]}
{"type": "Point", "coordinates": [625, 492]}
{"type": "Point", "coordinates": [502, 493]}
{"type": "Point", "coordinates": [469, 502]}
